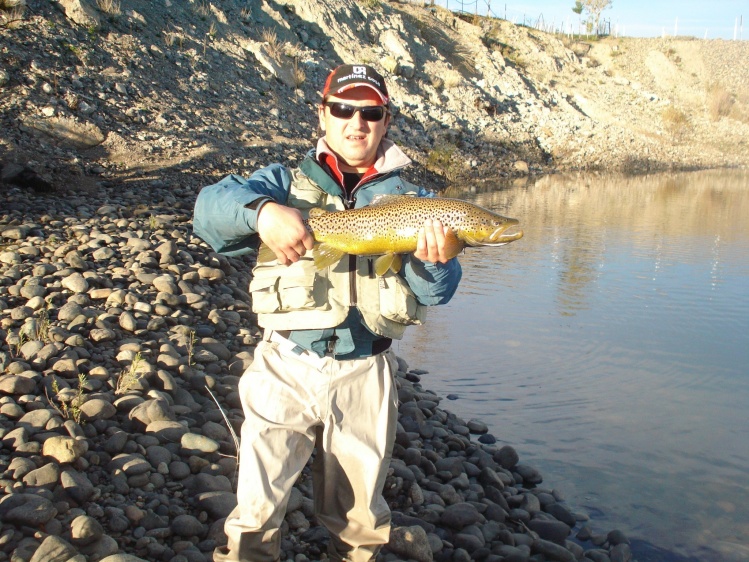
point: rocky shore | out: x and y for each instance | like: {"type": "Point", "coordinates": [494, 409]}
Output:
{"type": "Point", "coordinates": [123, 339]}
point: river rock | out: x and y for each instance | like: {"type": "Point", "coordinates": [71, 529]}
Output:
{"type": "Point", "coordinates": [187, 526]}
{"type": "Point", "coordinates": [460, 515]}
{"type": "Point", "coordinates": [14, 384]}
{"type": "Point", "coordinates": [97, 409]}
{"type": "Point", "coordinates": [64, 449]}
{"type": "Point", "coordinates": [410, 543]}
{"type": "Point", "coordinates": [26, 509]}
{"type": "Point", "coordinates": [54, 549]}
{"type": "Point", "coordinates": [198, 444]}
{"type": "Point", "coordinates": [77, 486]}
{"type": "Point", "coordinates": [85, 530]}
{"type": "Point", "coordinates": [76, 283]}
{"type": "Point", "coordinates": [554, 531]}
{"type": "Point", "coordinates": [44, 477]}
{"type": "Point", "coordinates": [217, 504]}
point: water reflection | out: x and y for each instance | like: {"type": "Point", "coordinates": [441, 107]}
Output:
{"type": "Point", "coordinates": [610, 346]}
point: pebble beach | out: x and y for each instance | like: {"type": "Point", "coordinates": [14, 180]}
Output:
{"type": "Point", "coordinates": [123, 337]}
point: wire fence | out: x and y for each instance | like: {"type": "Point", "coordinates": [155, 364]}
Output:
{"type": "Point", "coordinates": [573, 25]}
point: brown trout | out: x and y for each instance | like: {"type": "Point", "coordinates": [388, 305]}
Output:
{"type": "Point", "coordinates": [390, 225]}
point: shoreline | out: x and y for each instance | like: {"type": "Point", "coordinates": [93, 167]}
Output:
{"type": "Point", "coordinates": [100, 287]}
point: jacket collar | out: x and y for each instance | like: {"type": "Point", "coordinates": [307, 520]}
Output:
{"type": "Point", "coordinates": [389, 158]}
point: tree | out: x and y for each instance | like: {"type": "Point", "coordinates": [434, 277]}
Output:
{"type": "Point", "coordinates": [578, 9]}
{"type": "Point", "coordinates": [593, 9]}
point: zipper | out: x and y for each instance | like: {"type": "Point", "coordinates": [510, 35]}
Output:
{"type": "Point", "coordinates": [349, 201]}
{"type": "Point", "coordinates": [352, 279]}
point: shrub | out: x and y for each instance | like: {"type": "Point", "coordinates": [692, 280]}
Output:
{"type": "Point", "coordinates": [370, 4]}
{"type": "Point", "coordinates": [719, 102]}
{"type": "Point", "coordinates": [675, 121]}
{"type": "Point", "coordinates": [440, 160]}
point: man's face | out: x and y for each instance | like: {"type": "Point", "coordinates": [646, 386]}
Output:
{"type": "Point", "coordinates": [354, 140]}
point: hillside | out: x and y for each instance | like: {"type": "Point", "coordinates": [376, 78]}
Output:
{"type": "Point", "coordinates": [195, 90]}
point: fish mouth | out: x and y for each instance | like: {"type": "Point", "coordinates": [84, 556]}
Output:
{"type": "Point", "coordinates": [505, 234]}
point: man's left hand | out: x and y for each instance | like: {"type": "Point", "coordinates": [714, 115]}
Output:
{"type": "Point", "coordinates": [430, 245]}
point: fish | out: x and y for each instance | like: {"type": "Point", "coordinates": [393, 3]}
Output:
{"type": "Point", "coordinates": [389, 227]}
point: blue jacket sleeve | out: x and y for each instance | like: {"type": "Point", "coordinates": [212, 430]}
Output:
{"type": "Point", "coordinates": [432, 283]}
{"type": "Point", "coordinates": [226, 212]}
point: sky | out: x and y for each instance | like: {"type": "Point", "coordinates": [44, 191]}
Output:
{"type": "Point", "coordinates": [711, 19]}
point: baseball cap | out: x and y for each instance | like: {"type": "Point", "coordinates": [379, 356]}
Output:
{"type": "Point", "coordinates": [349, 76]}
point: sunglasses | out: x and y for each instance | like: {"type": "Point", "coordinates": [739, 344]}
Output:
{"type": "Point", "coordinates": [371, 113]}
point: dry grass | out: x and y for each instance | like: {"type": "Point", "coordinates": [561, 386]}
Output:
{"type": "Point", "coordinates": [740, 110]}
{"type": "Point", "coordinates": [274, 46]}
{"type": "Point", "coordinates": [298, 74]}
{"type": "Point", "coordinates": [111, 7]}
{"type": "Point", "coordinates": [11, 13]}
{"type": "Point", "coordinates": [213, 29]}
{"type": "Point", "coordinates": [452, 79]}
{"type": "Point", "coordinates": [676, 122]}
{"type": "Point", "coordinates": [172, 38]}
{"type": "Point", "coordinates": [719, 102]}
{"type": "Point", "coordinates": [8, 5]}
{"type": "Point", "coordinates": [202, 8]}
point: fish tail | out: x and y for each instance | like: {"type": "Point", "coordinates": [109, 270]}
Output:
{"type": "Point", "coordinates": [326, 255]}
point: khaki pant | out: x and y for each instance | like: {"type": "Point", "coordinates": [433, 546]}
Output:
{"type": "Point", "coordinates": [293, 403]}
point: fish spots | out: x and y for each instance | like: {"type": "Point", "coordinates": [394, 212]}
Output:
{"type": "Point", "coordinates": [391, 224]}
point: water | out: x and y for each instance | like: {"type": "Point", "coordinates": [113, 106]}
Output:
{"type": "Point", "coordinates": [610, 347]}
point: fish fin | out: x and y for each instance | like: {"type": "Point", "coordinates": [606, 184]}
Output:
{"type": "Point", "coordinates": [326, 255]}
{"type": "Point", "coordinates": [387, 262]}
{"type": "Point", "coordinates": [386, 198]}
{"type": "Point", "coordinates": [395, 267]}
{"type": "Point", "coordinates": [317, 212]}
{"type": "Point", "coordinates": [453, 244]}
{"type": "Point", "coordinates": [265, 254]}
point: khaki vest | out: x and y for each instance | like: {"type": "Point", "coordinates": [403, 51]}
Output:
{"type": "Point", "coordinates": [299, 297]}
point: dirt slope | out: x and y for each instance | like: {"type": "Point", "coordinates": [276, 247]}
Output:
{"type": "Point", "coordinates": [196, 90]}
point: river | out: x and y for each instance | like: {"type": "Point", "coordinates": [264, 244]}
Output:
{"type": "Point", "coordinates": [610, 347]}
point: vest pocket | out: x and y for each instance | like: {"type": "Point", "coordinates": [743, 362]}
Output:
{"type": "Point", "coordinates": [397, 301]}
{"type": "Point", "coordinates": [264, 295]}
{"type": "Point", "coordinates": [297, 292]}
{"type": "Point", "coordinates": [282, 289]}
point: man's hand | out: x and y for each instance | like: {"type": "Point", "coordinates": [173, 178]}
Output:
{"type": "Point", "coordinates": [430, 245]}
{"type": "Point", "coordinates": [282, 229]}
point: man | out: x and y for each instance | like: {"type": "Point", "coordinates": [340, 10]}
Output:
{"type": "Point", "coordinates": [322, 378]}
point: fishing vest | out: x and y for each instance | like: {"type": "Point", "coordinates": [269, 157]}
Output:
{"type": "Point", "coordinates": [301, 297]}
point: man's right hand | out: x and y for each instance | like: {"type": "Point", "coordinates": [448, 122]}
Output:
{"type": "Point", "coordinates": [282, 230]}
